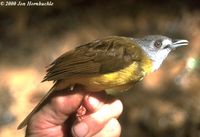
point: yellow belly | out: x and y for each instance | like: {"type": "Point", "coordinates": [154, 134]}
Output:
{"type": "Point", "coordinates": [123, 79]}
{"type": "Point", "coordinates": [116, 81]}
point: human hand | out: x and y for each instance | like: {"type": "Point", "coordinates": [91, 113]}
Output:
{"type": "Point", "coordinates": [56, 118]}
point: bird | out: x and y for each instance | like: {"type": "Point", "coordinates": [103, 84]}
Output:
{"type": "Point", "coordinates": [112, 64]}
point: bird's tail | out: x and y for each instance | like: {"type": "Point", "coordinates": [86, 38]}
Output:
{"type": "Point", "coordinates": [38, 106]}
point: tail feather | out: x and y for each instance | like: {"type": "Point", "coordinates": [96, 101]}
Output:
{"type": "Point", "coordinates": [38, 106]}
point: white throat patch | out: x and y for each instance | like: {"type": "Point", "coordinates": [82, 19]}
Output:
{"type": "Point", "coordinates": [161, 55]}
{"type": "Point", "coordinates": [159, 58]}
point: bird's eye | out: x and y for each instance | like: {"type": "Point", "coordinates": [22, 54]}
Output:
{"type": "Point", "coordinates": [158, 43]}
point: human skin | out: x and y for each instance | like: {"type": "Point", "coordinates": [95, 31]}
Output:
{"type": "Point", "coordinates": [61, 116]}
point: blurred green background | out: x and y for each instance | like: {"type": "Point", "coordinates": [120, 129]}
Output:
{"type": "Point", "coordinates": [165, 104]}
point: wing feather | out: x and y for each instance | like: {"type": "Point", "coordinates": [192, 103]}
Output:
{"type": "Point", "coordinates": [99, 57]}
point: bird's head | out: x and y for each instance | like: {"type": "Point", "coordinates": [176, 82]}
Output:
{"type": "Point", "coordinates": [157, 47]}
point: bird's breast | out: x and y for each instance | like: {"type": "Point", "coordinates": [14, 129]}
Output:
{"type": "Point", "coordinates": [126, 76]}
{"type": "Point", "coordinates": [131, 74]}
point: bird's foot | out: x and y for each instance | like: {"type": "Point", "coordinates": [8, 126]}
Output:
{"type": "Point", "coordinates": [81, 112]}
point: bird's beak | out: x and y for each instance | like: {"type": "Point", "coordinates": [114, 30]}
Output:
{"type": "Point", "coordinates": [178, 43]}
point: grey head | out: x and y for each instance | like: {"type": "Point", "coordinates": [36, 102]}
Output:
{"type": "Point", "coordinates": [157, 47]}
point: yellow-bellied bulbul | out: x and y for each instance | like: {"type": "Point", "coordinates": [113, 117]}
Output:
{"type": "Point", "coordinates": [113, 64]}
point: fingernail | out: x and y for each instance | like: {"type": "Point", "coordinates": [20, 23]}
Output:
{"type": "Point", "coordinates": [93, 101]}
{"type": "Point", "coordinates": [80, 129]}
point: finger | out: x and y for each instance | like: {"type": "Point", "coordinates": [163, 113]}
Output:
{"type": "Point", "coordinates": [94, 101]}
{"type": "Point", "coordinates": [94, 122]}
{"type": "Point", "coordinates": [111, 129]}
{"type": "Point", "coordinates": [57, 111]}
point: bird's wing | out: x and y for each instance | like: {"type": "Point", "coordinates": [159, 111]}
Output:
{"type": "Point", "coordinates": [99, 57]}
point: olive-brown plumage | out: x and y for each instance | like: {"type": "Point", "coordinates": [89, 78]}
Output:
{"type": "Point", "coordinates": [98, 57]}
{"type": "Point", "coordinates": [112, 64]}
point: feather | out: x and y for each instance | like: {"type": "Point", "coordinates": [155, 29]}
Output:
{"type": "Point", "coordinates": [98, 57]}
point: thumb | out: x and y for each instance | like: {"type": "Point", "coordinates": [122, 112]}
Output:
{"type": "Point", "coordinates": [57, 111]}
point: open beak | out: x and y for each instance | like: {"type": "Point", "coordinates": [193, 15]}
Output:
{"type": "Point", "coordinates": [179, 43]}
